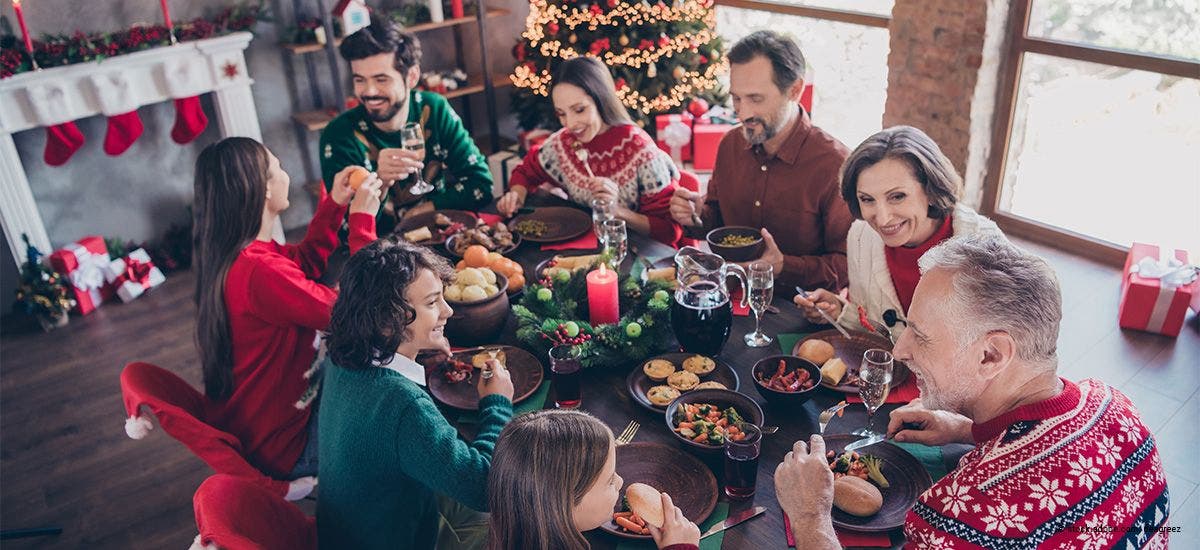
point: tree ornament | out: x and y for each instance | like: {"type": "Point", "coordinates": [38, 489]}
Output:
{"type": "Point", "coordinates": [652, 70]}
{"type": "Point", "coordinates": [697, 107]}
{"type": "Point", "coordinates": [572, 38]}
{"type": "Point", "coordinates": [678, 72]}
{"type": "Point", "coordinates": [623, 40]}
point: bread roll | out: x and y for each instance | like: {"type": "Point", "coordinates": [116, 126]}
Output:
{"type": "Point", "coordinates": [832, 371]}
{"type": "Point", "coordinates": [646, 502]}
{"type": "Point", "coordinates": [575, 262]}
{"type": "Point", "coordinates": [417, 235]}
{"type": "Point", "coordinates": [816, 350]}
{"type": "Point", "coordinates": [856, 496]}
{"type": "Point", "coordinates": [661, 274]}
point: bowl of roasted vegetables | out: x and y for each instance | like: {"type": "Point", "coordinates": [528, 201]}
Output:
{"type": "Point", "coordinates": [703, 420]}
{"type": "Point", "coordinates": [786, 379]}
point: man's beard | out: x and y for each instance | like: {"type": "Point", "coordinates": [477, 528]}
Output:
{"type": "Point", "coordinates": [759, 137]}
{"type": "Point", "coordinates": [387, 114]}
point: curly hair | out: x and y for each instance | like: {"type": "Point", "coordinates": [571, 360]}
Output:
{"type": "Point", "coordinates": [371, 315]}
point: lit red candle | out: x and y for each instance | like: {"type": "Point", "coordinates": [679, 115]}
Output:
{"type": "Point", "coordinates": [24, 30]}
{"type": "Point", "coordinates": [166, 14]}
{"type": "Point", "coordinates": [602, 296]}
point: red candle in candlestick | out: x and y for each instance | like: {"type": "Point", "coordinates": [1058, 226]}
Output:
{"type": "Point", "coordinates": [456, 8]}
{"type": "Point", "coordinates": [166, 13]}
{"type": "Point", "coordinates": [603, 305]}
{"type": "Point", "coordinates": [24, 30]}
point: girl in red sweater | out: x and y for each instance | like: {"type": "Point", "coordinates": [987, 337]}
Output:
{"type": "Point", "coordinates": [554, 476]}
{"type": "Point", "coordinates": [258, 305]}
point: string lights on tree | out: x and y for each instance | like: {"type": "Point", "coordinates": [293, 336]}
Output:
{"type": "Point", "coordinates": [660, 55]}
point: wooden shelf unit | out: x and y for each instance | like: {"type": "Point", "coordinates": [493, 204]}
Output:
{"type": "Point", "coordinates": [299, 49]}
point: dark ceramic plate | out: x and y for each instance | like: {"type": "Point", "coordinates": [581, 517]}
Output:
{"type": "Point", "coordinates": [689, 482]}
{"type": "Point", "coordinates": [526, 377]}
{"type": "Point", "coordinates": [563, 223]}
{"type": "Point", "coordinates": [850, 350]}
{"type": "Point", "coordinates": [504, 251]}
{"type": "Point", "coordinates": [907, 479]}
{"type": "Point", "coordinates": [638, 383]}
{"type": "Point", "coordinates": [426, 220]}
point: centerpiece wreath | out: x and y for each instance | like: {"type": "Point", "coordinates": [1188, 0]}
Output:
{"type": "Point", "coordinates": [554, 311]}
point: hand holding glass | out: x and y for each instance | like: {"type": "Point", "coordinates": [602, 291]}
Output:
{"type": "Point", "coordinates": [760, 279]}
{"type": "Point", "coordinates": [413, 139]}
{"type": "Point", "coordinates": [874, 383]}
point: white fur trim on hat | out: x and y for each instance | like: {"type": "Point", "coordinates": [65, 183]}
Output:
{"type": "Point", "coordinates": [137, 427]}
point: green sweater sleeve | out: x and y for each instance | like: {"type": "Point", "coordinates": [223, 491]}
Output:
{"type": "Point", "coordinates": [430, 451]}
{"type": "Point", "coordinates": [467, 179]}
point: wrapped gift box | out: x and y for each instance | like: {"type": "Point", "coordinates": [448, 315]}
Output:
{"type": "Point", "coordinates": [705, 140]}
{"type": "Point", "coordinates": [681, 148]}
{"type": "Point", "coordinates": [528, 139]}
{"type": "Point", "coordinates": [133, 275]}
{"type": "Point", "coordinates": [502, 165]}
{"type": "Point", "coordinates": [83, 264]}
{"type": "Point", "coordinates": [1156, 289]}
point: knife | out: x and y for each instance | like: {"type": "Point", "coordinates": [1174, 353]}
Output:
{"type": "Point", "coordinates": [734, 519]}
{"type": "Point", "coordinates": [864, 442]}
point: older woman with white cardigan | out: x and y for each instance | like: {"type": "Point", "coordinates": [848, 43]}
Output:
{"type": "Point", "coordinates": [904, 193]}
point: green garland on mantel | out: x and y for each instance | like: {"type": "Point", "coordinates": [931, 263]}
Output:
{"type": "Point", "coordinates": [555, 311]}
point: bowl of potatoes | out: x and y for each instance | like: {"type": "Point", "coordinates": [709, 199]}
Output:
{"type": "Point", "coordinates": [480, 306]}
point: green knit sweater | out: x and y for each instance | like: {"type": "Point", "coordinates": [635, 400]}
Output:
{"type": "Point", "coordinates": [453, 163]}
{"type": "Point", "coordinates": [385, 450]}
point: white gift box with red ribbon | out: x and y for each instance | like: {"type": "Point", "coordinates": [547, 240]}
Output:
{"type": "Point", "coordinates": [133, 275]}
{"type": "Point", "coordinates": [1156, 290]}
{"type": "Point", "coordinates": [83, 264]}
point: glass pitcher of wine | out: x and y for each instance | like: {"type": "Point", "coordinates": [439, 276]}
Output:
{"type": "Point", "coordinates": [701, 314]}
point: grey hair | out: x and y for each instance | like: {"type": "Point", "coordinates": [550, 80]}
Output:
{"type": "Point", "coordinates": [1000, 287]}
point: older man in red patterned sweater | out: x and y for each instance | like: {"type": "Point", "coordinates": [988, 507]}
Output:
{"type": "Point", "coordinates": [1056, 464]}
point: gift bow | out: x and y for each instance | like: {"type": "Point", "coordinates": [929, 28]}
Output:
{"type": "Point", "coordinates": [1171, 272]}
{"type": "Point", "coordinates": [89, 275]}
{"type": "Point", "coordinates": [137, 271]}
{"type": "Point", "coordinates": [675, 135]}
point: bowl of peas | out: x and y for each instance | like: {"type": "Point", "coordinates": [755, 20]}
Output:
{"type": "Point", "coordinates": [736, 243]}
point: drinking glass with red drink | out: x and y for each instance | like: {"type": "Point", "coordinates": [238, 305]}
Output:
{"type": "Point", "coordinates": [741, 462]}
{"type": "Point", "coordinates": [564, 374]}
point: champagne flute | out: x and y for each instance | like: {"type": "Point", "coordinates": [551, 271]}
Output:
{"type": "Point", "coordinates": [413, 139]}
{"type": "Point", "coordinates": [874, 382]}
{"type": "Point", "coordinates": [614, 240]}
{"type": "Point", "coordinates": [760, 279]}
{"type": "Point", "coordinates": [602, 210]}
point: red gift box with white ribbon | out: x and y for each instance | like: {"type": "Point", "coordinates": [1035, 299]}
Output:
{"type": "Point", "coordinates": [706, 138]}
{"type": "Point", "coordinates": [133, 275]}
{"type": "Point", "coordinates": [1156, 289]}
{"type": "Point", "coordinates": [83, 264]}
{"type": "Point", "coordinates": [673, 134]}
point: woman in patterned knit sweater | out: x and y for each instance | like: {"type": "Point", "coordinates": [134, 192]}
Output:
{"type": "Point", "coordinates": [543, 497]}
{"type": "Point", "coordinates": [599, 139]}
{"type": "Point", "coordinates": [258, 303]}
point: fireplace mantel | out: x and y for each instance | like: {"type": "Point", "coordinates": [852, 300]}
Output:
{"type": "Point", "coordinates": [112, 86]}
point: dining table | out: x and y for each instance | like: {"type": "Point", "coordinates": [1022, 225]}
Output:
{"type": "Point", "coordinates": [605, 396]}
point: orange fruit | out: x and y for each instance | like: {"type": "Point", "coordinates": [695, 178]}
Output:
{"type": "Point", "coordinates": [493, 257]}
{"type": "Point", "coordinates": [515, 282]}
{"type": "Point", "coordinates": [476, 255]}
{"type": "Point", "coordinates": [461, 265]}
{"type": "Point", "coordinates": [357, 176]}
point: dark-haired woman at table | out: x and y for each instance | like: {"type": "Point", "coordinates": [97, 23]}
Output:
{"type": "Point", "coordinates": [905, 194]}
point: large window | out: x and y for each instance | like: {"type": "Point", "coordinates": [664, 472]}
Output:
{"type": "Point", "coordinates": [1100, 124]}
{"type": "Point", "coordinates": [846, 51]}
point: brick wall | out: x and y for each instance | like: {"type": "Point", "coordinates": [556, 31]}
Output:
{"type": "Point", "coordinates": [942, 71]}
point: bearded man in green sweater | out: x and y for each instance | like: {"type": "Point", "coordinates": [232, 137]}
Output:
{"type": "Point", "coordinates": [385, 66]}
{"type": "Point", "coordinates": [394, 473]}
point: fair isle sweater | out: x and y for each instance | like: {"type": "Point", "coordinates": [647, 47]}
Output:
{"type": "Point", "coordinates": [1078, 470]}
{"type": "Point", "coordinates": [385, 450]}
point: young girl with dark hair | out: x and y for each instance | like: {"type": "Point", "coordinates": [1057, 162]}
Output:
{"type": "Point", "coordinates": [394, 473]}
{"type": "Point", "coordinates": [554, 476]}
{"type": "Point", "coordinates": [258, 305]}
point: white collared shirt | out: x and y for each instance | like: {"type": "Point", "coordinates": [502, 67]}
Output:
{"type": "Point", "coordinates": [408, 368]}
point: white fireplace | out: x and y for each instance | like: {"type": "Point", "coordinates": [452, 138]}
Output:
{"type": "Point", "coordinates": [115, 85]}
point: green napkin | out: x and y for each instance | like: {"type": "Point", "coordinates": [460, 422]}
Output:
{"type": "Point", "coordinates": [534, 403]}
{"type": "Point", "coordinates": [711, 543]}
{"type": "Point", "coordinates": [787, 341]}
{"type": "Point", "coordinates": [929, 457]}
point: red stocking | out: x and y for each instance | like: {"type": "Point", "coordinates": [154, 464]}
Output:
{"type": "Point", "coordinates": [62, 140]}
{"type": "Point", "coordinates": [190, 120]}
{"type": "Point", "coordinates": [123, 130]}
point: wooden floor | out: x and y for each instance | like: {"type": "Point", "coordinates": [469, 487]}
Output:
{"type": "Point", "coordinates": [65, 459]}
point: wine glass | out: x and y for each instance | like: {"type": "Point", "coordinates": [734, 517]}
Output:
{"type": "Point", "coordinates": [760, 279]}
{"type": "Point", "coordinates": [602, 210]}
{"type": "Point", "coordinates": [874, 382]}
{"type": "Point", "coordinates": [614, 240]}
{"type": "Point", "coordinates": [413, 139]}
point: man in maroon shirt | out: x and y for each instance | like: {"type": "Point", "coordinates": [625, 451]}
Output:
{"type": "Point", "coordinates": [779, 173]}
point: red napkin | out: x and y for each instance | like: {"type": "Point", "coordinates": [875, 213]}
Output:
{"type": "Point", "coordinates": [587, 241]}
{"type": "Point", "coordinates": [490, 219]}
{"type": "Point", "coordinates": [845, 538]}
{"type": "Point", "coordinates": [735, 300]}
{"type": "Point", "coordinates": [900, 394]}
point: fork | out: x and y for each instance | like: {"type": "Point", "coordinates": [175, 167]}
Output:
{"type": "Point", "coordinates": [627, 435]}
{"type": "Point", "coordinates": [827, 414]}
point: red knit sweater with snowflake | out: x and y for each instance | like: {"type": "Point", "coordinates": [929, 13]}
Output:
{"type": "Point", "coordinates": [625, 154]}
{"type": "Point", "coordinates": [275, 309]}
{"type": "Point", "coordinates": [1078, 470]}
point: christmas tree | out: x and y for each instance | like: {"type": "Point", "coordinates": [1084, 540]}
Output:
{"type": "Point", "coordinates": [661, 56]}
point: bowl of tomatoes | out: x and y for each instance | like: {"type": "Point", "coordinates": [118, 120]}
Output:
{"type": "Point", "coordinates": [786, 379]}
{"type": "Point", "coordinates": [702, 420]}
